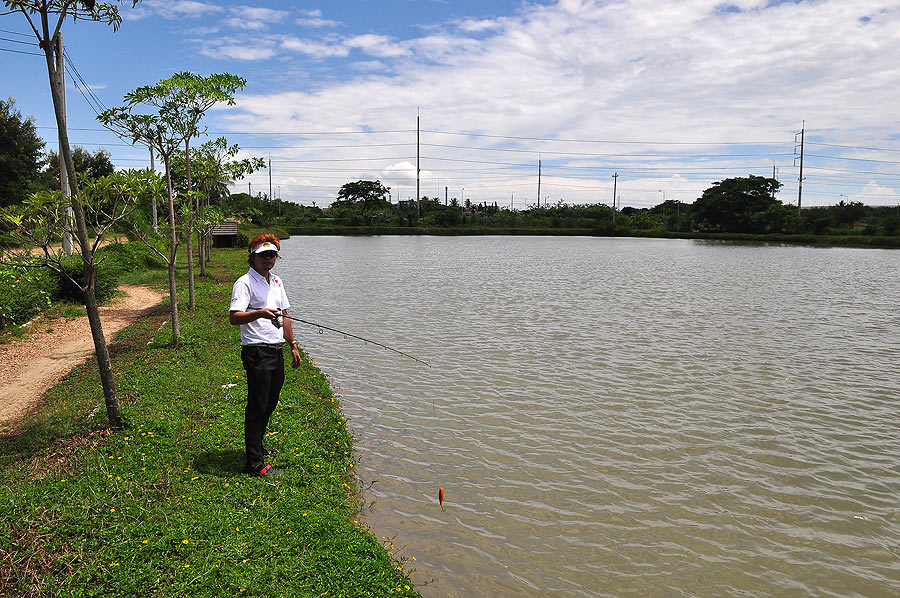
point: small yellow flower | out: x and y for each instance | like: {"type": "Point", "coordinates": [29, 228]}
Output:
{"type": "Point", "coordinates": [145, 541]}
{"type": "Point", "coordinates": [112, 510]}
{"type": "Point", "coordinates": [184, 541]}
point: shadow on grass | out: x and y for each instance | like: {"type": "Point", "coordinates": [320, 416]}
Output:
{"type": "Point", "coordinates": [225, 463]}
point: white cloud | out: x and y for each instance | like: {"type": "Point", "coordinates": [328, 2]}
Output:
{"type": "Point", "coordinates": [315, 49]}
{"type": "Point", "coordinates": [254, 18]}
{"type": "Point", "coordinates": [633, 71]}
{"type": "Point", "coordinates": [473, 26]}
{"type": "Point", "coordinates": [401, 170]}
{"type": "Point", "coordinates": [377, 45]}
{"type": "Point", "coordinates": [171, 9]}
{"type": "Point", "coordinates": [875, 193]}
{"type": "Point", "coordinates": [317, 23]}
{"type": "Point", "coordinates": [252, 50]}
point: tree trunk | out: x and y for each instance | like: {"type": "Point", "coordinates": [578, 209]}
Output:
{"type": "Point", "coordinates": [190, 228]}
{"type": "Point", "coordinates": [202, 237]}
{"type": "Point", "coordinates": [107, 379]}
{"type": "Point", "coordinates": [173, 252]}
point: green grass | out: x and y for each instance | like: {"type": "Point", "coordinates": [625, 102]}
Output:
{"type": "Point", "coordinates": [161, 509]}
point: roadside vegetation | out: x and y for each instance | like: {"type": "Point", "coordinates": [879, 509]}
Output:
{"type": "Point", "coordinates": [26, 292]}
{"type": "Point", "coordinates": [161, 508]}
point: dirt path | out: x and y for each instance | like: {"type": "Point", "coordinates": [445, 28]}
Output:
{"type": "Point", "coordinates": [29, 368]}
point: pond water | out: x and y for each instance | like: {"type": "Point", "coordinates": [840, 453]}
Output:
{"type": "Point", "coordinates": [618, 417]}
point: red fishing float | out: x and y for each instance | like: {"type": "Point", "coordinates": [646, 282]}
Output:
{"type": "Point", "coordinates": [441, 497]}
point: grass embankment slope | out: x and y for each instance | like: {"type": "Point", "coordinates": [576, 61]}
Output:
{"type": "Point", "coordinates": [160, 509]}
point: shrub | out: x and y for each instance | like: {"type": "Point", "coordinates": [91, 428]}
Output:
{"type": "Point", "coordinates": [106, 279]}
{"type": "Point", "coordinates": [24, 292]}
{"type": "Point", "coordinates": [131, 257]}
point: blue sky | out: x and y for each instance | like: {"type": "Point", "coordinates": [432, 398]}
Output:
{"type": "Point", "coordinates": [671, 95]}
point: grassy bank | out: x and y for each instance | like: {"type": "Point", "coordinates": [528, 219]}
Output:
{"type": "Point", "coordinates": [161, 508]}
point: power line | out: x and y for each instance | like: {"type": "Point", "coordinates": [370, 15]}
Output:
{"type": "Point", "coordinates": [862, 147]}
{"type": "Point", "coordinates": [604, 140]}
{"type": "Point", "coordinates": [18, 41]}
{"type": "Point", "coordinates": [20, 52]}
{"type": "Point", "coordinates": [16, 33]}
{"type": "Point", "coordinates": [616, 155]}
{"type": "Point", "coordinates": [97, 102]}
{"type": "Point", "coordinates": [853, 159]}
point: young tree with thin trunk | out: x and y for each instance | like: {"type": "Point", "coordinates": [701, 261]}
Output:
{"type": "Point", "coordinates": [46, 18]}
{"type": "Point", "coordinates": [157, 131]}
{"type": "Point", "coordinates": [214, 169]}
{"type": "Point", "coordinates": [187, 96]}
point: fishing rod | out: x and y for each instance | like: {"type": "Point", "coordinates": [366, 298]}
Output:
{"type": "Point", "coordinates": [277, 323]}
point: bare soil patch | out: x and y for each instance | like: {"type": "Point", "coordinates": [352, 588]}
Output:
{"type": "Point", "coordinates": [28, 368]}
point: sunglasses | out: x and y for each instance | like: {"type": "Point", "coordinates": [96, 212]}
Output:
{"type": "Point", "coordinates": [267, 254]}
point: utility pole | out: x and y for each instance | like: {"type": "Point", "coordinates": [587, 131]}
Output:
{"type": "Point", "coordinates": [539, 183]}
{"type": "Point", "coordinates": [270, 177]}
{"type": "Point", "coordinates": [446, 191]}
{"type": "Point", "coordinates": [774, 178]}
{"type": "Point", "coordinates": [67, 245]}
{"type": "Point", "coordinates": [800, 180]}
{"type": "Point", "coordinates": [418, 194]}
{"type": "Point", "coordinates": [615, 180]}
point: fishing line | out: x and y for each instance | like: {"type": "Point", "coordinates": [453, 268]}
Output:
{"type": "Point", "coordinates": [322, 327]}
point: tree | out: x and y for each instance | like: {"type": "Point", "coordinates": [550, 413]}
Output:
{"type": "Point", "coordinates": [46, 18]}
{"type": "Point", "coordinates": [848, 213]}
{"type": "Point", "coordinates": [215, 169]}
{"type": "Point", "coordinates": [730, 205]}
{"type": "Point", "coordinates": [371, 194]}
{"type": "Point", "coordinates": [38, 220]}
{"type": "Point", "coordinates": [188, 97]}
{"type": "Point", "coordinates": [20, 151]}
{"type": "Point", "coordinates": [368, 192]}
{"type": "Point", "coordinates": [155, 130]}
{"type": "Point", "coordinates": [94, 165]}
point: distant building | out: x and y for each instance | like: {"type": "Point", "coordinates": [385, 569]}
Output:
{"type": "Point", "coordinates": [225, 235]}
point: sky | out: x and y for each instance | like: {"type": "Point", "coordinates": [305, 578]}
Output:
{"type": "Point", "coordinates": [652, 100]}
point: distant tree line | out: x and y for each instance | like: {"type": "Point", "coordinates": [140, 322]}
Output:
{"type": "Point", "coordinates": [741, 205]}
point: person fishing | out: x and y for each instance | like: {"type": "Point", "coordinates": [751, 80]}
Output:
{"type": "Point", "coordinates": [258, 306]}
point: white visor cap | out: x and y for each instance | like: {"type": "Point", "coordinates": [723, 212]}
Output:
{"type": "Point", "coordinates": [267, 246]}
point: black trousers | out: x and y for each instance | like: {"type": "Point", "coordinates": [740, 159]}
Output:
{"type": "Point", "coordinates": [265, 377]}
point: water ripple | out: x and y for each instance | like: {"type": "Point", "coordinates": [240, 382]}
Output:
{"type": "Point", "coordinates": [619, 417]}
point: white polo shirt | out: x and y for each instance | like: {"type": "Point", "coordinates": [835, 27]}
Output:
{"type": "Point", "coordinates": [250, 292]}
